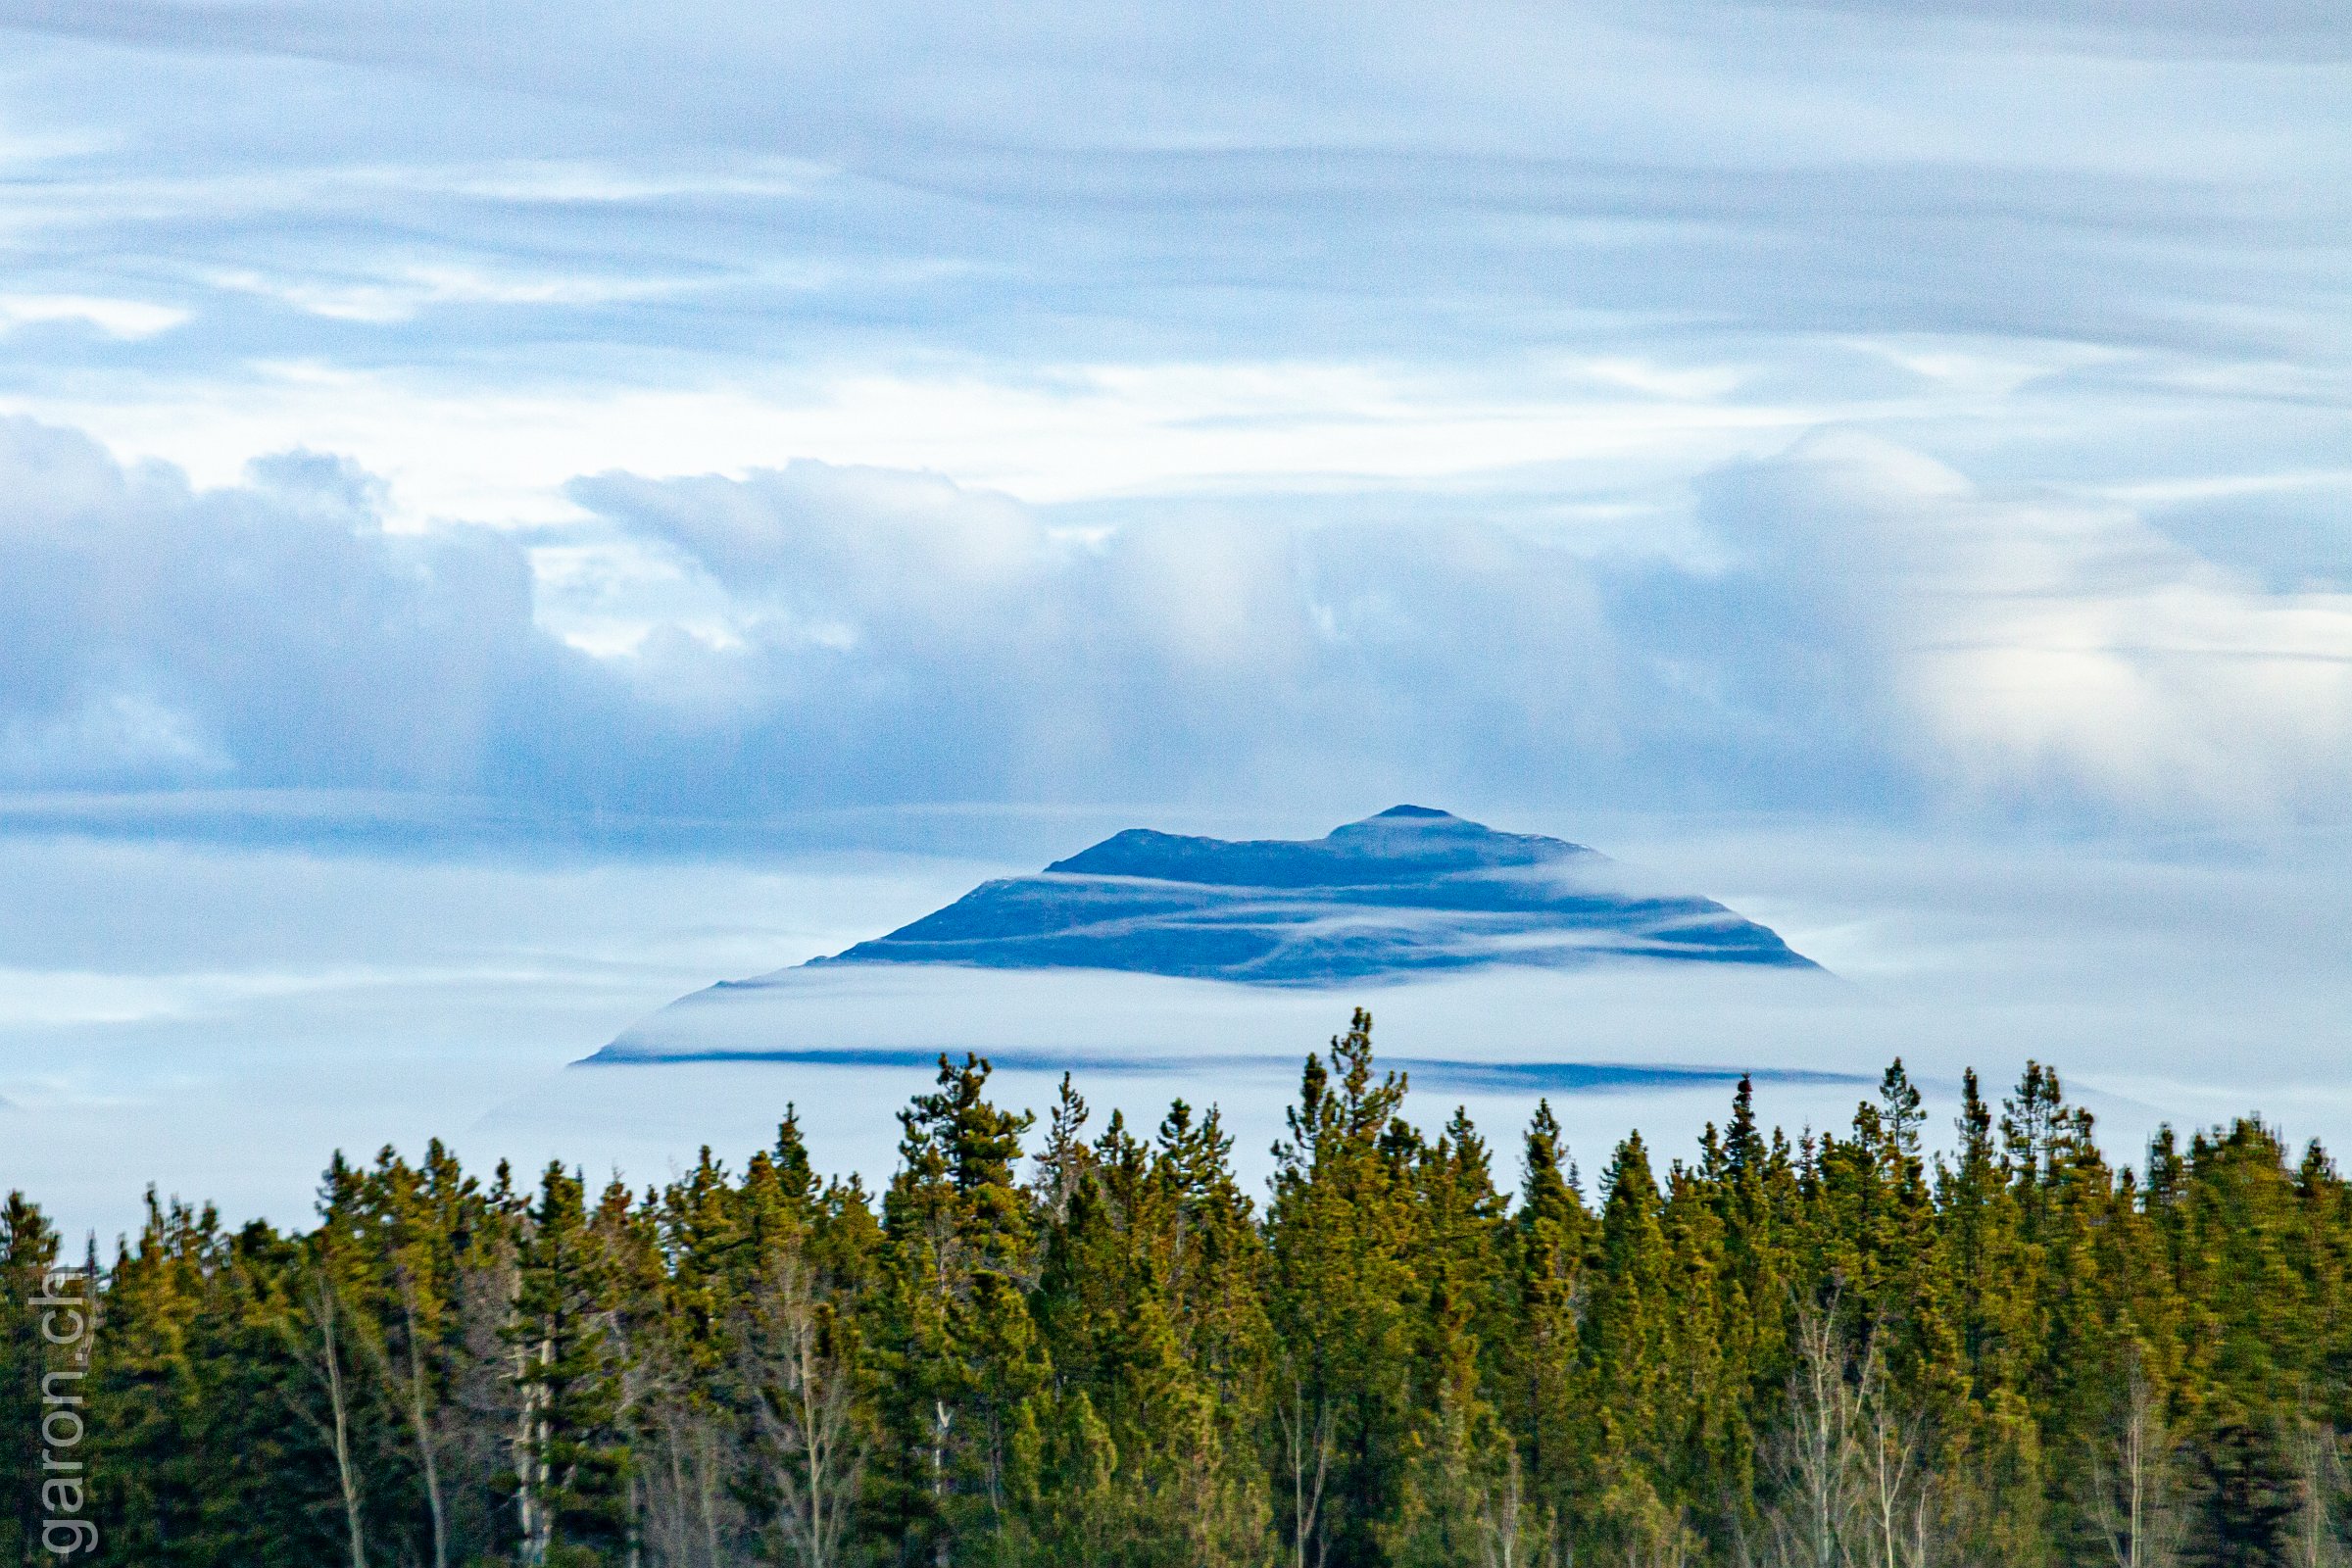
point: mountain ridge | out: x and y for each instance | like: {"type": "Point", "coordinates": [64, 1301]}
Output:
{"type": "Point", "coordinates": [1411, 890]}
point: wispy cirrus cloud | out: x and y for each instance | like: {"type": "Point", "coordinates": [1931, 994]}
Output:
{"type": "Point", "coordinates": [116, 318]}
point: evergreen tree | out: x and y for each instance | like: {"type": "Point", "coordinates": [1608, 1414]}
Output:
{"type": "Point", "coordinates": [1346, 1235]}
{"type": "Point", "coordinates": [570, 1450]}
{"type": "Point", "coordinates": [1132, 1390]}
{"type": "Point", "coordinates": [797, 1349]}
{"type": "Point", "coordinates": [1821, 1353]}
{"type": "Point", "coordinates": [28, 1250]}
{"type": "Point", "coordinates": [1548, 1395]}
{"type": "Point", "coordinates": [954, 1347]}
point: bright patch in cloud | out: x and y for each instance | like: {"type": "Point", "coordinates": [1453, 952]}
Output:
{"type": "Point", "coordinates": [2051, 645]}
{"type": "Point", "coordinates": [128, 320]}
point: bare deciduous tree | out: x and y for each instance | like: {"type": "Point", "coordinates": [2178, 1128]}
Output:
{"type": "Point", "coordinates": [407, 1379]}
{"type": "Point", "coordinates": [812, 1450]}
{"type": "Point", "coordinates": [530, 1464]}
{"type": "Point", "coordinates": [1308, 1450]}
{"type": "Point", "coordinates": [1851, 1464]}
{"type": "Point", "coordinates": [1651, 1533]}
{"type": "Point", "coordinates": [1817, 1458]}
{"type": "Point", "coordinates": [1510, 1534]}
{"type": "Point", "coordinates": [689, 1518]}
{"type": "Point", "coordinates": [2135, 1478]}
{"type": "Point", "coordinates": [319, 1344]}
{"type": "Point", "coordinates": [1895, 1487]}
{"type": "Point", "coordinates": [2320, 1465]}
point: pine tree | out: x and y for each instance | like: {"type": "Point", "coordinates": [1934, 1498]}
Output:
{"type": "Point", "coordinates": [28, 1250]}
{"type": "Point", "coordinates": [321, 1313]}
{"type": "Point", "coordinates": [1462, 1497]}
{"type": "Point", "coordinates": [1345, 1240]}
{"type": "Point", "coordinates": [797, 1351]}
{"type": "Point", "coordinates": [1632, 1329]}
{"type": "Point", "coordinates": [953, 1343]}
{"type": "Point", "coordinates": [1548, 1395]}
{"type": "Point", "coordinates": [1130, 1388]}
{"type": "Point", "coordinates": [1810, 1354]}
{"type": "Point", "coordinates": [1989, 1275]}
{"type": "Point", "coordinates": [422, 1222]}
{"type": "Point", "coordinates": [570, 1454]}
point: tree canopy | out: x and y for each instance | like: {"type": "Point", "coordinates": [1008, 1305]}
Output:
{"type": "Point", "coordinates": [1088, 1345]}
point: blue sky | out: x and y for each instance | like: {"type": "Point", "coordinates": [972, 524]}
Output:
{"type": "Point", "coordinates": [573, 434]}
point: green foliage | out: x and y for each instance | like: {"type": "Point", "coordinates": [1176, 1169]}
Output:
{"type": "Point", "coordinates": [28, 1250]}
{"type": "Point", "coordinates": [1834, 1352]}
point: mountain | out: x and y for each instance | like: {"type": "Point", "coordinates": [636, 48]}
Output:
{"type": "Point", "coordinates": [1157, 953]}
{"type": "Point", "coordinates": [1410, 891]}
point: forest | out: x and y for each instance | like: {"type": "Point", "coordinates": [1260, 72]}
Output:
{"type": "Point", "coordinates": [1075, 1342]}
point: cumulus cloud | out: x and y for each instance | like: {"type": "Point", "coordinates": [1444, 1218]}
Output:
{"type": "Point", "coordinates": [1879, 626]}
{"type": "Point", "coordinates": [1863, 630]}
{"type": "Point", "coordinates": [274, 632]}
{"type": "Point", "coordinates": [2019, 645]}
{"type": "Point", "coordinates": [941, 640]}
{"type": "Point", "coordinates": [1073, 254]}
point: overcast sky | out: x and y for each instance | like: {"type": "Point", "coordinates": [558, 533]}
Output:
{"type": "Point", "coordinates": [721, 423]}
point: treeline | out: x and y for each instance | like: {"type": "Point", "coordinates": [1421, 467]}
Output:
{"type": "Point", "coordinates": [1080, 1345]}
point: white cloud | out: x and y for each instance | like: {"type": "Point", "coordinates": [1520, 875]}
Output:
{"type": "Point", "coordinates": [219, 1018]}
{"type": "Point", "coordinates": [114, 733]}
{"type": "Point", "coordinates": [1081, 408]}
{"type": "Point", "coordinates": [2050, 646]}
{"type": "Point", "coordinates": [128, 320]}
{"type": "Point", "coordinates": [151, 633]}
{"type": "Point", "coordinates": [1867, 626]}
{"type": "Point", "coordinates": [1058, 435]}
{"type": "Point", "coordinates": [400, 291]}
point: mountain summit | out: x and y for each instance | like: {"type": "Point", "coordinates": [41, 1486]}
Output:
{"type": "Point", "coordinates": [1412, 889]}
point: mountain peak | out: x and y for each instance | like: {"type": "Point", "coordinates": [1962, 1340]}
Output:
{"type": "Point", "coordinates": [1411, 890]}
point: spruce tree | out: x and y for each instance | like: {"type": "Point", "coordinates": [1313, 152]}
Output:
{"type": "Point", "coordinates": [953, 1343]}
{"type": "Point", "coordinates": [1814, 1350]}
{"type": "Point", "coordinates": [28, 1250]}
{"type": "Point", "coordinates": [571, 1453]}
{"type": "Point", "coordinates": [1547, 1394]}
{"type": "Point", "coordinates": [1345, 1237]}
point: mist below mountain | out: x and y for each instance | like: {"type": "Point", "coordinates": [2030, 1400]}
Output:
{"type": "Point", "coordinates": [1156, 945]}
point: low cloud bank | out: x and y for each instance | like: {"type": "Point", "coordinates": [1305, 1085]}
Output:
{"type": "Point", "coordinates": [219, 1018]}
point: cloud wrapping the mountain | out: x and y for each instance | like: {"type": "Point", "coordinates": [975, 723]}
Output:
{"type": "Point", "coordinates": [1872, 634]}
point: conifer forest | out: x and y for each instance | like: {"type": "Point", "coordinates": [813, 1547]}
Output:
{"type": "Point", "coordinates": [1077, 1342]}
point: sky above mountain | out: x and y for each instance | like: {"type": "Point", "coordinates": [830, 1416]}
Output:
{"type": "Point", "coordinates": [706, 412]}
